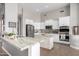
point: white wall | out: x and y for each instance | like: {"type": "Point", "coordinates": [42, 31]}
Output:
{"type": "Point", "coordinates": [74, 21]}
{"type": "Point", "coordinates": [10, 16]}
{"type": "Point", "coordinates": [74, 14]}
{"type": "Point", "coordinates": [27, 14]}
{"type": "Point", "coordinates": [74, 17]}
{"type": "Point", "coordinates": [52, 17]}
{"type": "Point", "coordinates": [56, 14]}
{"type": "Point", "coordinates": [30, 18]}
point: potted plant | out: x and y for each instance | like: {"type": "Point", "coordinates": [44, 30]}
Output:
{"type": "Point", "coordinates": [10, 35]}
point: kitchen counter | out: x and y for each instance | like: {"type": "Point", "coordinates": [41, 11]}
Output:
{"type": "Point", "coordinates": [23, 42]}
{"type": "Point", "coordinates": [48, 43]}
{"type": "Point", "coordinates": [23, 46]}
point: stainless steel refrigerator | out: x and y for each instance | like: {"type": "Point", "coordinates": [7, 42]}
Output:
{"type": "Point", "coordinates": [29, 30]}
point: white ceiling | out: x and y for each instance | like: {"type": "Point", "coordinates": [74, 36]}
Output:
{"type": "Point", "coordinates": [43, 7]}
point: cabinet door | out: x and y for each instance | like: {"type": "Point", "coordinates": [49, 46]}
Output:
{"type": "Point", "coordinates": [64, 21]}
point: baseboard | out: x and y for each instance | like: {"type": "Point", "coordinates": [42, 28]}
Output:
{"type": "Point", "coordinates": [63, 42]}
{"type": "Point", "coordinates": [6, 51]}
{"type": "Point", "coordinates": [74, 47]}
{"type": "Point", "coordinates": [46, 49]}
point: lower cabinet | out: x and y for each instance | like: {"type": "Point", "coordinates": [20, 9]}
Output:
{"type": "Point", "coordinates": [48, 43]}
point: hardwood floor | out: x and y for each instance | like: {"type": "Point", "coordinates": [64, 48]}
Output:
{"type": "Point", "coordinates": [57, 50]}
{"type": "Point", "coordinates": [60, 50]}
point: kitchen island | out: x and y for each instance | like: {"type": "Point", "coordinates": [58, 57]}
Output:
{"type": "Point", "coordinates": [23, 46]}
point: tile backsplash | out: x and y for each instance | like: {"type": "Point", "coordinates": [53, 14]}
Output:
{"type": "Point", "coordinates": [46, 31]}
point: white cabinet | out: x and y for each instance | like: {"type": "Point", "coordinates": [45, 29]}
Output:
{"type": "Point", "coordinates": [55, 37]}
{"type": "Point", "coordinates": [48, 44]}
{"type": "Point", "coordinates": [52, 22]}
{"type": "Point", "coordinates": [64, 21]}
{"type": "Point", "coordinates": [34, 50]}
{"type": "Point", "coordinates": [36, 25]}
{"type": "Point", "coordinates": [28, 21]}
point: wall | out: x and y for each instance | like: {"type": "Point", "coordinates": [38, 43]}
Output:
{"type": "Point", "coordinates": [74, 15]}
{"type": "Point", "coordinates": [27, 14]}
{"type": "Point", "coordinates": [10, 16]}
{"type": "Point", "coordinates": [2, 10]}
{"type": "Point", "coordinates": [56, 14]}
{"type": "Point", "coordinates": [30, 18]}
{"type": "Point", "coordinates": [74, 21]}
{"type": "Point", "coordinates": [52, 17]}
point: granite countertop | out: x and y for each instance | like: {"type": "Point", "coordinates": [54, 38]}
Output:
{"type": "Point", "coordinates": [23, 43]}
{"type": "Point", "coordinates": [16, 43]}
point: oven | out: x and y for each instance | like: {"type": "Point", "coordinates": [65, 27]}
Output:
{"type": "Point", "coordinates": [64, 37]}
{"type": "Point", "coordinates": [64, 33]}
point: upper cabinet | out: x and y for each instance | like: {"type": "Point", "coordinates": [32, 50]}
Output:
{"type": "Point", "coordinates": [52, 22]}
{"type": "Point", "coordinates": [64, 21]}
